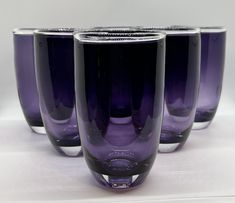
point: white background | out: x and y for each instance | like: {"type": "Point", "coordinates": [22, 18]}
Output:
{"type": "Point", "coordinates": [85, 13]}
{"type": "Point", "coordinates": [177, 175]}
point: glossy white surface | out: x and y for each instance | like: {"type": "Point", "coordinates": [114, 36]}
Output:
{"type": "Point", "coordinates": [203, 171]}
{"type": "Point", "coordinates": [30, 169]}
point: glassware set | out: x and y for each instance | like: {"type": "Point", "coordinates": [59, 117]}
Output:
{"type": "Point", "coordinates": [122, 93]}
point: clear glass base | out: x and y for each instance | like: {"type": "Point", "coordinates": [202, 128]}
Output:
{"type": "Point", "coordinates": [168, 147]}
{"type": "Point", "coordinates": [38, 129]}
{"type": "Point", "coordinates": [117, 183]}
{"type": "Point", "coordinates": [200, 125]}
{"type": "Point", "coordinates": [74, 151]}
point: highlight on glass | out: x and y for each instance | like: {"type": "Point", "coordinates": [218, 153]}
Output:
{"type": "Point", "coordinates": [213, 42]}
{"type": "Point", "coordinates": [54, 57]}
{"type": "Point", "coordinates": [114, 29]}
{"type": "Point", "coordinates": [119, 83]}
{"type": "Point", "coordinates": [26, 79]}
{"type": "Point", "coordinates": [181, 85]}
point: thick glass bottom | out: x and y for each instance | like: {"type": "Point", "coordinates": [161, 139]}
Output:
{"type": "Point", "coordinates": [70, 151]}
{"type": "Point", "coordinates": [38, 129]}
{"type": "Point", "coordinates": [67, 147]}
{"type": "Point", "coordinates": [120, 183]}
{"type": "Point", "coordinates": [171, 141]}
{"type": "Point", "coordinates": [119, 172]}
{"type": "Point", "coordinates": [169, 147]}
{"type": "Point", "coordinates": [201, 125]}
{"type": "Point", "coordinates": [204, 115]}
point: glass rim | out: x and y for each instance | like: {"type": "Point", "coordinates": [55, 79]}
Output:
{"type": "Point", "coordinates": [55, 31]}
{"type": "Point", "coordinates": [174, 30]}
{"type": "Point", "coordinates": [211, 29]}
{"type": "Point", "coordinates": [24, 31]}
{"type": "Point", "coordinates": [113, 28]}
{"type": "Point", "coordinates": [118, 37]}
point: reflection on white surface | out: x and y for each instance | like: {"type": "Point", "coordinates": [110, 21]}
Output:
{"type": "Point", "coordinates": [203, 171]}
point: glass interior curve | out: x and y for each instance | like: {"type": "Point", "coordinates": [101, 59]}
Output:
{"type": "Point", "coordinates": [118, 36]}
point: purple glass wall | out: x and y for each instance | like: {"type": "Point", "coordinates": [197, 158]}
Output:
{"type": "Point", "coordinates": [25, 78]}
{"type": "Point", "coordinates": [54, 56]}
{"type": "Point", "coordinates": [119, 80]}
{"type": "Point", "coordinates": [181, 85]}
{"type": "Point", "coordinates": [213, 41]}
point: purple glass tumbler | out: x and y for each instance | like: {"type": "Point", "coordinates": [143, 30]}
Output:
{"type": "Point", "coordinates": [213, 41]}
{"type": "Point", "coordinates": [54, 57]}
{"type": "Point", "coordinates": [119, 83]}
{"type": "Point", "coordinates": [182, 71]}
{"type": "Point", "coordinates": [26, 79]}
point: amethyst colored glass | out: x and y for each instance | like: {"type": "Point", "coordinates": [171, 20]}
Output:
{"type": "Point", "coordinates": [119, 83]}
{"type": "Point", "coordinates": [25, 77]}
{"type": "Point", "coordinates": [213, 41]}
{"type": "Point", "coordinates": [54, 56]}
{"type": "Point", "coordinates": [182, 72]}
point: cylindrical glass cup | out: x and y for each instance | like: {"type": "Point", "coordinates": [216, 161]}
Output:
{"type": "Point", "coordinates": [119, 83]}
{"type": "Point", "coordinates": [182, 72]}
{"type": "Point", "coordinates": [213, 40]}
{"type": "Point", "coordinates": [26, 79]}
{"type": "Point", "coordinates": [54, 57]}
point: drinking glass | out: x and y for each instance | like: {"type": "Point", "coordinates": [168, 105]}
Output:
{"type": "Point", "coordinates": [25, 78]}
{"type": "Point", "coordinates": [213, 41]}
{"type": "Point", "coordinates": [54, 57]}
{"type": "Point", "coordinates": [119, 83]}
{"type": "Point", "coordinates": [182, 72]}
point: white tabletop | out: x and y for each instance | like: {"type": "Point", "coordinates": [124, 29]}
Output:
{"type": "Point", "coordinates": [203, 171]}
